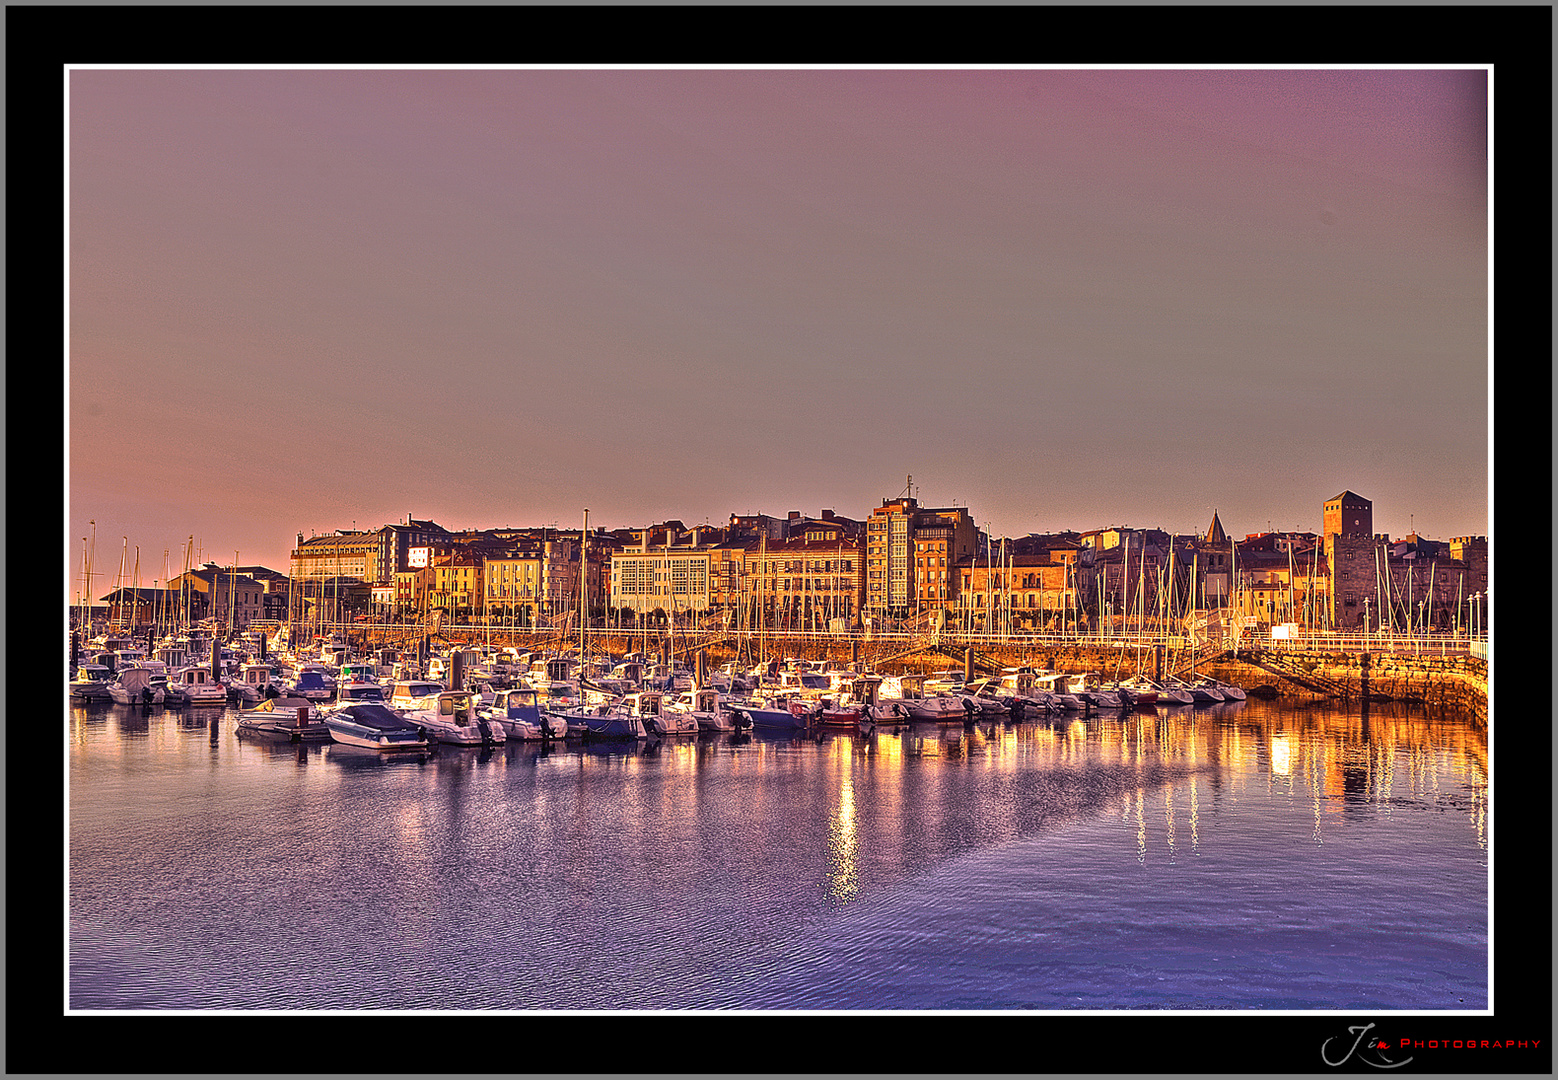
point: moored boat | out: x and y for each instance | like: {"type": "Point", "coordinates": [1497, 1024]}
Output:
{"type": "Point", "coordinates": [134, 687]}
{"type": "Point", "coordinates": [906, 695]}
{"type": "Point", "coordinates": [708, 709]}
{"type": "Point", "coordinates": [1137, 691]}
{"type": "Point", "coordinates": [284, 718]}
{"type": "Point", "coordinates": [1089, 687]}
{"type": "Point", "coordinates": [775, 712]}
{"type": "Point", "coordinates": [632, 716]}
{"type": "Point", "coordinates": [453, 718]}
{"type": "Point", "coordinates": [374, 727]}
{"type": "Point", "coordinates": [1201, 692]}
{"type": "Point", "coordinates": [199, 686]}
{"type": "Point", "coordinates": [92, 683]}
{"type": "Point", "coordinates": [519, 712]}
{"type": "Point", "coordinates": [313, 682]}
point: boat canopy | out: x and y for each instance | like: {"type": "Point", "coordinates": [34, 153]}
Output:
{"type": "Point", "coordinates": [376, 717]}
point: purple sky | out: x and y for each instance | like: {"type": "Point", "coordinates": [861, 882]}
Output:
{"type": "Point", "coordinates": [300, 300]}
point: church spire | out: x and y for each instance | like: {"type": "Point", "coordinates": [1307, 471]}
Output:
{"type": "Point", "coordinates": [1214, 531]}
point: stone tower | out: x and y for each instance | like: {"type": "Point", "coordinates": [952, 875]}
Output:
{"type": "Point", "coordinates": [1350, 557]}
{"type": "Point", "coordinates": [1348, 514]}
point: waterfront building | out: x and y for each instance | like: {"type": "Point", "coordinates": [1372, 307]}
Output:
{"type": "Point", "coordinates": [801, 583]}
{"type": "Point", "coordinates": [456, 584]}
{"type": "Point", "coordinates": [512, 585]}
{"type": "Point", "coordinates": [372, 556]}
{"type": "Point", "coordinates": [912, 554]}
{"type": "Point", "coordinates": [1283, 579]}
{"type": "Point", "coordinates": [233, 596]}
{"type": "Point", "coordinates": [1010, 592]}
{"type": "Point", "coordinates": [665, 577]}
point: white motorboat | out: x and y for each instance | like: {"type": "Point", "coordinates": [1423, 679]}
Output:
{"type": "Point", "coordinates": [200, 688]}
{"type": "Point", "coordinates": [706, 708]}
{"type": "Point", "coordinates": [454, 719]}
{"type": "Point", "coordinates": [1057, 687]}
{"type": "Point", "coordinates": [519, 713]}
{"type": "Point", "coordinates": [92, 683]}
{"type": "Point", "coordinates": [1024, 697]}
{"type": "Point", "coordinates": [375, 728]}
{"type": "Point", "coordinates": [906, 696]}
{"type": "Point", "coordinates": [986, 696]}
{"type": "Point", "coordinates": [285, 718]}
{"type": "Point", "coordinates": [945, 683]}
{"type": "Point", "coordinates": [676, 716]}
{"type": "Point", "coordinates": [134, 687]}
{"type": "Point", "coordinates": [407, 694]}
{"type": "Point", "coordinates": [1089, 687]}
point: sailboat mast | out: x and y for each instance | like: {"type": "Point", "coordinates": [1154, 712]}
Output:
{"type": "Point", "coordinates": [124, 553]}
{"type": "Point", "coordinates": [584, 578]}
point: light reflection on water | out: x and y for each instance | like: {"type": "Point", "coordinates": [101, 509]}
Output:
{"type": "Point", "coordinates": [1208, 858]}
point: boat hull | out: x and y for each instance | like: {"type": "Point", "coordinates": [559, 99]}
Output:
{"type": "Point", "coordinates": [782, 719]}
{"type": "Point", "coordinates": [614, 727]}
{"type": "Point", "coordinates": [281, 731]}
{"type": "Point", "coordinates": [376, 741]}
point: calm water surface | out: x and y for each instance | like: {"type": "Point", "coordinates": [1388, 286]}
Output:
{"type": "Point", "coordinates": [1255, 856]}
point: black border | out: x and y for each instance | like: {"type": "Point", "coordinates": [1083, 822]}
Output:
{"type": "Point", "coordinates": [1517, 40]}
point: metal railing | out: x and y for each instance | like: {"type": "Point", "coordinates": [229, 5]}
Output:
{"type": "Point", "coordinates": [1432, 644]}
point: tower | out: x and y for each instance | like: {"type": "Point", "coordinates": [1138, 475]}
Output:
{"type": "Point", "coordinates": [1348, 514]}
{"type": "Point", "coordinates": [1349, 553]}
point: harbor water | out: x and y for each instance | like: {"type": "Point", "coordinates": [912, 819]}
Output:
{"type": "Point", "coordinates": [1251, 856]}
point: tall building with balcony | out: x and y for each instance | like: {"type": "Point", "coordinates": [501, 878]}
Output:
{"type": "Point", "coordinates": [912, 555]}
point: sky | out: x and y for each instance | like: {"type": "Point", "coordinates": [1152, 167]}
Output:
{"type": "Point", "coordinates": [302, 300]}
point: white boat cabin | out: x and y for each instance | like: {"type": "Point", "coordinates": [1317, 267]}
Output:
{"type": "Point", "coordinates": [195, 677]}
{"type": "Point", "coordinates": [414, 693]}
{"type": "Point", "coordinates": [644, 703]}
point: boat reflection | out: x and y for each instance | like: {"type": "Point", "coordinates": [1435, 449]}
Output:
{"type": "Point", "coordinates": [361, 757]}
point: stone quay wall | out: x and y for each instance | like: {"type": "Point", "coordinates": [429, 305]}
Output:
{"type": "Point", "coordinates": [1452, 683]}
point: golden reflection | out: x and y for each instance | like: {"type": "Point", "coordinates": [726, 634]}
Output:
{"type": "Point", "coordinates": [1315, 774]}
{"type": "Point", "coordinates": [1281, 754]}
{"type": "Point", "coordinates": [843, 841]}
{"type": "Point", "coordinates": [1141, 826]}
{"type": "Point", "coordinates": [1195, 817]}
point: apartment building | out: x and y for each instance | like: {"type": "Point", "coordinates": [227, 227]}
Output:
{"type": "Point", "coordinates": [670, 578]}
{"type": "Point", "coordinates": [911, 557]}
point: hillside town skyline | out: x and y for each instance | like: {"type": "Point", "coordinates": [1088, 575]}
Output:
{"type": "Point", "coordinates": [903, 562]}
